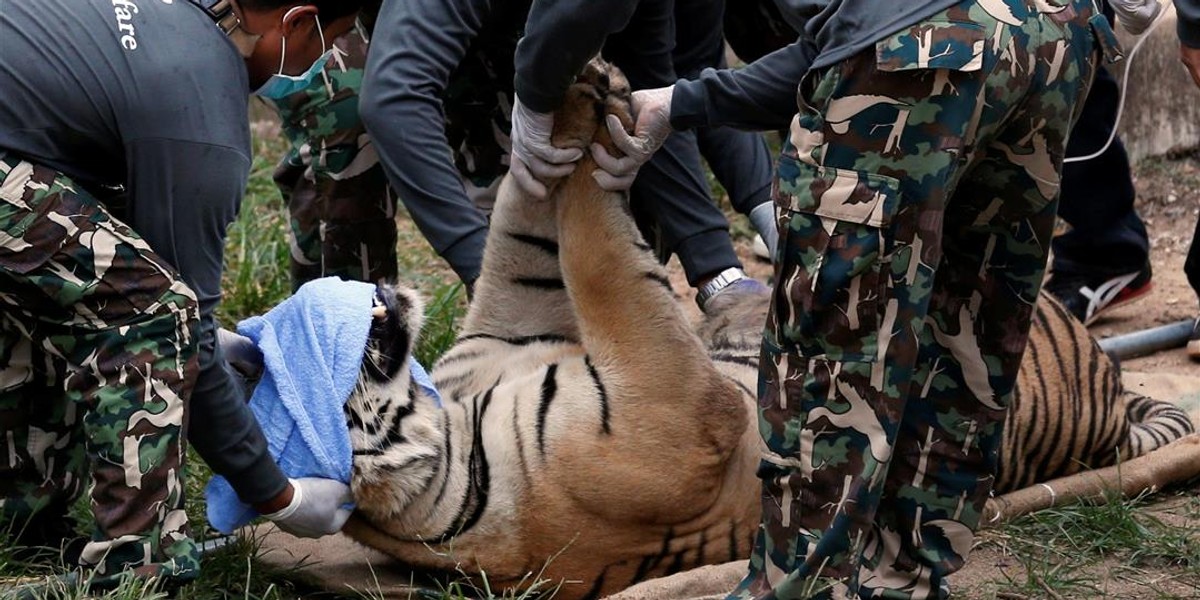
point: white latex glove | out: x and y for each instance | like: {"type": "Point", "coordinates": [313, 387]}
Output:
{"type": "Point", "coordinates": [1135, 15]}
{"type": "Point", "coordinates": [652, 125]}
{"type": "Point", "coordinates": [535, 161]}
{"type": "Point", "coordinates": [241, 353]}
{"type": "Point", "coordinates": [317, 508]}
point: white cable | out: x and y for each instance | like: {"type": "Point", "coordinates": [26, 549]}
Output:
{"type": "Point", "coordinates": [1124, 83]}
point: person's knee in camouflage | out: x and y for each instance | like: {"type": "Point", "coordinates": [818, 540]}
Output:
{"type": "Point", "coordinates": [97, 358]}
{"type": "Point", "coordinates": [107, 331]}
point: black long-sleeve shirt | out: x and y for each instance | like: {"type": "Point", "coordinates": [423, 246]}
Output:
{"type": "Point", "coordinates": [152, 97]}
{"type": "Point", "coordinates": [417, 50]}
{"type": "Point", "coordinates": [561, 35]}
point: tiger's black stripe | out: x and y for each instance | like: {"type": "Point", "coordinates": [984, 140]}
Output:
{"type": "Point", "coordinates": [661, 280]}
{"type": "Point", "coordinates": [448, 453]}
{"type": "Point", "coordinates": [524, 340]}
{"type": "Point", "coordinates": [481, 478]}
{"type": "Point", "coordinates": [449, 359]}
{"type": "Point", "coordinates": [593, 593]}
{"type": "Point", "coordinates": [1090, 441]}
{"type": "Point", "coordinates": [1067, 429]}
{"type": "Point", "coordinates": [401, 466]}
{"type": "Point", "coordinates": [676, 563]}
{"type": "Point", "coordinates": [519, 440]}
{"type": "Point", "coordinates": [479, 485]}
{"type": "Point", "coordinates": [541, 283]}
{"type": "Point", "coordinates": [734, 359]}
{"type": "Point", "coordinates": [733, 541]}
{"type": "Point", "coordinates": [1034, 438]}
{"type": "Point", "coordinates": [603, 391]}
{"type": "Point", "coordinates": [353, 419]}
{"type": "Point", "coordinates": [546, 244]}
{"type": "Point", "coordinates": [394, 434]}
{"type": "Point", "coordinates": [450, 387]}
{"type": "Point", "coordinates": [1054, 436]}
{"type": "Point", "coordinates": [649, 563]}
{"type": "Point", "coordinates": [1160, 437]}
{"type": "Point", "coordinates": [549, 390]}
{"type": "Point", "coordinates": [392, 428]}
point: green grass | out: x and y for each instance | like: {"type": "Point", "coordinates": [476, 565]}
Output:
{"type": "Point", "coordinates": [256, 251]}
{"type": "Point", "coordinates": [1057, 550]}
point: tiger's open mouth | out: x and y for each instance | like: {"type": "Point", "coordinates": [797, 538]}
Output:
{"type": "Point", "coordinates": [388, 340]}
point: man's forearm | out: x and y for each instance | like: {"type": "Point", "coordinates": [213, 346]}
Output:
{"type": "Point", "coordinates": [418, 46]}
{"type": "Point", "coordinates": [427, 182]}
{"type": "Point", "coordinates": [760, 96]}
{"type": "Point", "coordinates": [224, 431]}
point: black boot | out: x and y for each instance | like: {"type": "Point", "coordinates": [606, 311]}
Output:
{"type": "Point", "coordinates": [49, 536]}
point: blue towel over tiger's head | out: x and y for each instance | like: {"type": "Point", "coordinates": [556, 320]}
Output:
{"type": "Point", "coordinates": [312, 345]}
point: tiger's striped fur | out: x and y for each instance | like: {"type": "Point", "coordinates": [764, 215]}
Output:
{"type": "Point", "coordinates": [590, 431]}
{"type": "Point", "coordinates": [1070, 411]}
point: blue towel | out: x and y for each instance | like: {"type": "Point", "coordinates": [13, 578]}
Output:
{"type": "Point", "coordinates": [423, 381]}
{"type": "Point", "coordinates": [312, 345]}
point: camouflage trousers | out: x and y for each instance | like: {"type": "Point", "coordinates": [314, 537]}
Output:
{"type": "Point", "coordinates": [916, 193]}
{"type": "Point", "coordinates": [97, 359]}
{"type": "Point", "coordinates": [341, 208]}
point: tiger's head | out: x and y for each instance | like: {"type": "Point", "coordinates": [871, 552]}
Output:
{"type": "Point", "coordinates": [396, 429]}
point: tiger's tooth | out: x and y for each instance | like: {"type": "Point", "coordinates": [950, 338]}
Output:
{"type": "Point", "coordinates": [379, 312]}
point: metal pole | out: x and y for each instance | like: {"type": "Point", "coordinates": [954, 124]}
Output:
{"type": "Point", "coordinates": [1148, 341]}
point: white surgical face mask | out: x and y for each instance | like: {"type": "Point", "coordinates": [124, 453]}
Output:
{"type": "Point", "coordinates": [280, 86]}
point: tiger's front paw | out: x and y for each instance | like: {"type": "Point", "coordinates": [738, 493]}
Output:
{"type": "Point", "coordinates": [601, 89]}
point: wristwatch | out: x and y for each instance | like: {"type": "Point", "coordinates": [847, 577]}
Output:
{"type": "Point", "coordinates": [718, 283]}
{"type": "Point", "coordinates": [221, 12]}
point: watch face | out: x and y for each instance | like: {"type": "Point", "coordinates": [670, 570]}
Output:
{"type": "Point", "coordinates": [215, 8]}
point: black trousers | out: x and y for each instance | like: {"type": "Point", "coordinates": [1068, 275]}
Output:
{"type": "Point", "coordinates": [1107, 237]}
{"type": "Point", "coordinates": [671, 198]}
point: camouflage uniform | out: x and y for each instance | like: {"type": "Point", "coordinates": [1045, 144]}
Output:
{"type": "Point", "coordinates": [917, 194]}
{"type": "Point", "coordinates": [342, 209]}
{"type": "Point", "coordinates": [97, 356]}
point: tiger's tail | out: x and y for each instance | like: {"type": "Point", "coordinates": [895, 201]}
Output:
{"type": "Point", "coordinates": [1152, 424]}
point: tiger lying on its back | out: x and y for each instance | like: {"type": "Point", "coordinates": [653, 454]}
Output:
{"type": "Point", "coordinates": [587, 424]}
